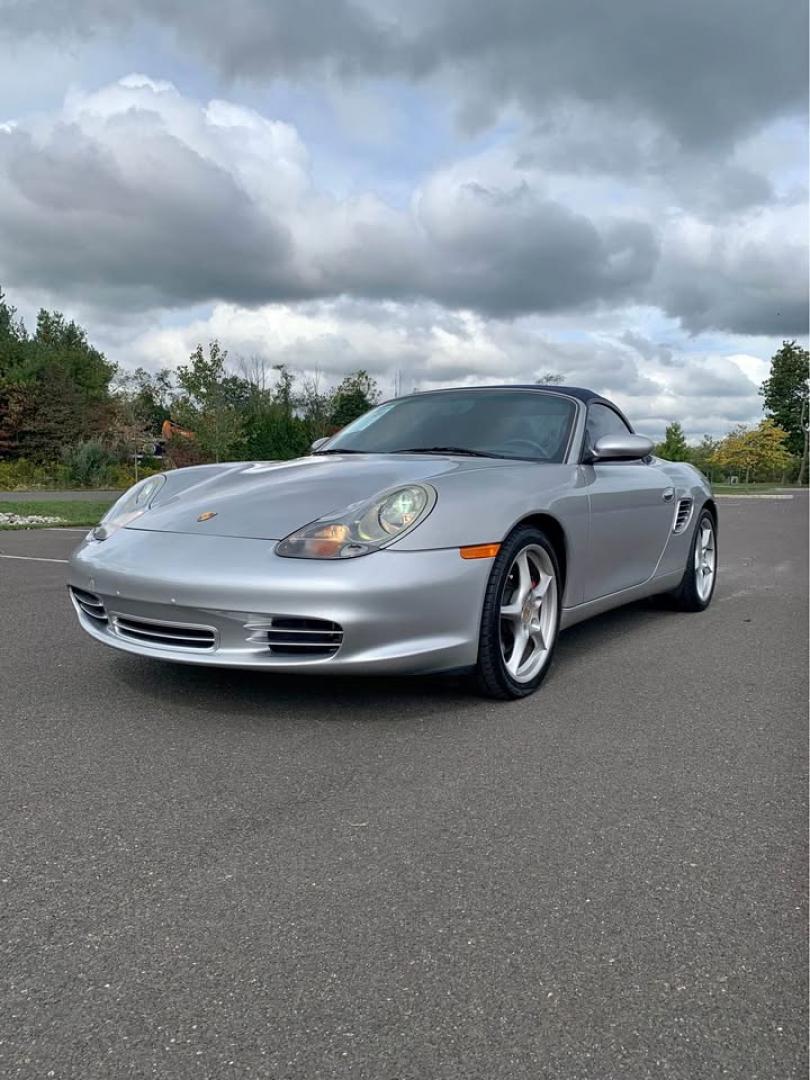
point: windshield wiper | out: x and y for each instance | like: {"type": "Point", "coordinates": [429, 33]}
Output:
{"type": "Point", "coordinates": [461, 450]}
{"type": "Point", "coordinates": [446, 450]}
{"type": "Point", "coordinates": [316, 453]}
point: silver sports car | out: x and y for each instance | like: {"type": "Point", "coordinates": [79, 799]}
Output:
{"type": "Point", "coordinates": [452, 530]}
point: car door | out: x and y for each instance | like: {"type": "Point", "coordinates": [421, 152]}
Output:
{"type": "Point", "coordinates": [631, 508]}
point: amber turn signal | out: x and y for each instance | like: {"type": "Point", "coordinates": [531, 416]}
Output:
{"type": "Point", "coordinates": [480, 551]}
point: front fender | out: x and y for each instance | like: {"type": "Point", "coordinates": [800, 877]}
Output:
{"type": "Point", "coordinates": [480, 507]}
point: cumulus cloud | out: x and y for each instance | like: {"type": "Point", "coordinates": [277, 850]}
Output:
{"type": "Point", "coordinates": [507, 248]}
{"type": "Point", "coordinates": [137, 197]}
{"type": "Point", "coordinates": [750, 278]}
{"type": "Point", "coordinates": [150, 199]}
{"type": "Point", "coordinates": [631, 210]}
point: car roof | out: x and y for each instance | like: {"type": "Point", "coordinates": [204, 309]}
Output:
{"type": "Point", "coordinates": [581, 393]}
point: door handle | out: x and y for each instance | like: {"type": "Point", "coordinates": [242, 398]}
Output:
{"type": "Point", "coordinates": [668, 495]}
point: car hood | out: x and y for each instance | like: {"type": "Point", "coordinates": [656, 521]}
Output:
{"type": "Point", "coordinates": [269, 500]}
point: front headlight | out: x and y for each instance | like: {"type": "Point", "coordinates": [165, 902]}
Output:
{"type": "Point", "coordinates": [362, 528]}
{"type": "Point", "coordinates": [130, 506]}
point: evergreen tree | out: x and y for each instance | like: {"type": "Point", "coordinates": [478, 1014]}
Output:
{"type": "Point", "coordinates": [785, 393]}
{"type": "Point", "coordinates": [674, 447]}
{"type": "Point", "coordinates": [356, 395]}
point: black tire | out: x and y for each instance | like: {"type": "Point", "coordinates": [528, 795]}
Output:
{"type": "Point", "coordinates": [687, 597]}
{"type": "Point", "coordinates": [493, 678]}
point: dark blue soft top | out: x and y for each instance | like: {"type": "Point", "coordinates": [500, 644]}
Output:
{"type": "Point", "coordinates": [579, 392]}
{"type": "Point", "coordinates": [572, 391]}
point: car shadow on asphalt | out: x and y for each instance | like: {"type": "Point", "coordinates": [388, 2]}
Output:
{"type": "Point", "coordinates": [332, 697]}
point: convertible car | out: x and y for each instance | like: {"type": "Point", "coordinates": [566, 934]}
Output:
{"type": "Point", "coordinates": [444, 531]}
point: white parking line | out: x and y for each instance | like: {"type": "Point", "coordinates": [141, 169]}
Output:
{"type": "Point", "coordinates": [32, 558]}
{"type": "Point", "coordinates": [744, 495]}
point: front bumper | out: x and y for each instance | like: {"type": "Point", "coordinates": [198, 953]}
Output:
{"type": "Point", "coordinates": [399, 612]}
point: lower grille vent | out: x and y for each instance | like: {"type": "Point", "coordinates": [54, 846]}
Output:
{"type": "Point", "coordinates": [90, 605]}
{"type": "Point", "coordinates": [288, 636]}
{"type": "Point", "coordinates": [683, 515]}
{"type": "Point", "coordinates": [165, 635]}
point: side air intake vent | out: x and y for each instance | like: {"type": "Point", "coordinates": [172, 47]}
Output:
{"type": "Point", "coordinates": [90, 605]}
{"type": "Point", "coordinates": [683, 515]}
{"type": "Point", "coordinates": [291, 636]}
{"type": "Point", "coordinates": [166, 635]}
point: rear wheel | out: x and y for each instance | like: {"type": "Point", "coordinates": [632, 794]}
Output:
{"type": "Point", "coordinates": [697, 586]}
{"type": "Point", "coordinates": [521, 616]}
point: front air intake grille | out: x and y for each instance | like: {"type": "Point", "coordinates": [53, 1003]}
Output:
{"type": "Point", "coordinates": [165, 635]}
{"type": "Point", "coordinates": [290, 636]}
{"type": "Point", "coordinates": [90, 605]}
{"type": "Point", "coordinates": [683, 515]}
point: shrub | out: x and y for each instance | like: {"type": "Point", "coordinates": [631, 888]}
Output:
{"type": "Point", "coordinates": [82, 467]}
{"type": "Point", "coordinates": [123, 476]}
{"type": "Point", "coordinates": [89, 464]}
{"type": "Point", "coordinates": [24, 475]}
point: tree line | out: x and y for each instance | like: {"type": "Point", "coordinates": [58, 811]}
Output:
{"type": "Point", "coordinates": [774, 449]}
{"type": "Point", "coordinates": [68, 415]}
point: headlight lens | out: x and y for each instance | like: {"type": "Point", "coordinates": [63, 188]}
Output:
{"type": "Point", "coordinates": [363, 528]}
{"type": "Point", "coordinates": [401, 509]}
{"type": "Point", "coordinates": [130, 506]}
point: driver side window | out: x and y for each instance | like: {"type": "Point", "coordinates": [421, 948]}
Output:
{"type": "Point", "coordinates": [602, 420]}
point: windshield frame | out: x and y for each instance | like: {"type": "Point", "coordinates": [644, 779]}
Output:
{"type": "Point", "coordinates": [575, 425]}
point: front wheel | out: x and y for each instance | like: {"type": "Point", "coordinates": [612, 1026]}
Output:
{"type": "Point", "coordinates": [521, 616]}
{"type": "Point", "coordinates": [697, 586]}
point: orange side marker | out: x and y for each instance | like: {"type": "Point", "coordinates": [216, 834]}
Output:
{"type": "Point", "coordinates": [480, 551]}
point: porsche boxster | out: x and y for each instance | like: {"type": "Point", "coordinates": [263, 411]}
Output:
{"type": "Point", "coordinates": [453, 530]}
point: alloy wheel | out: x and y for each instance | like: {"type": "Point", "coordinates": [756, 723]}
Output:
{"type": "Point", "coordinates": [528, 613]}
{"type": "Point", "coordinates": [705, 559]}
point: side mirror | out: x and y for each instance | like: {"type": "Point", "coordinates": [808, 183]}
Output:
{"type": "Point", "coordinates": [621, 448]}
{"type": "Point", "coordinates": [319, 443]}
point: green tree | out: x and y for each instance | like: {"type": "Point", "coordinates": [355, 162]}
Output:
{"type": "Point", "coordinates": [58, 341]}
{"type": "Point", "coordinates": [702, 455]}
{"type": "Point", "coordinates": [145, 398]}
{"type": "Point", "coordinates": [271, 434]}
{"type": "Point", "coordinates": [284, 392]}
{"type": "Point", "coordinates": [316, 407]}
{"type": "Point", "coordinates": [759, 453]}
{"type": "Point", "coordinates": [13, 341]}
{"type": "Point", "coordinates": [45, 416]}
{"type": "Point", "coordinates": [785, 393]}
{"type": "Point", "coordinates": [207, 404]}
{"type": "Point", "coordinates": [274, 425]}
{"type": "Point", "coordinates": [54, 386]}
{"type": "Point", "coordinates": [354, 396]}
{"type": "Point", "coordinates": [674, 447]}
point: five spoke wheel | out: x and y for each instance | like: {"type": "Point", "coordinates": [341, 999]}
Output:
{"type": "Point", "coordinates": [705, 559]}
{"type": "Point", "coordinates": [700, 575]}
{"type": "Point", "coordinates": [521, 615]}
{"type": "Point", "coordinates": [528, 613]}
{"type": "Point", "coordinates": [521, 612]}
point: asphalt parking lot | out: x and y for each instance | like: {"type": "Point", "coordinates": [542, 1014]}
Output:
{"type": "Point", "coordinates": [211, 874]}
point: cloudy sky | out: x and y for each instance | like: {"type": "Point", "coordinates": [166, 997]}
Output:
{"type": "Point", "coordinates": [451, 190]}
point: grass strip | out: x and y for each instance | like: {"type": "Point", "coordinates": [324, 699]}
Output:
{"type": "Point", "coordinates": [75, 512]}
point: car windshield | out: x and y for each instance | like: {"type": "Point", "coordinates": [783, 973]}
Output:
{"type": "Point", "coordinates": [520, 424]}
